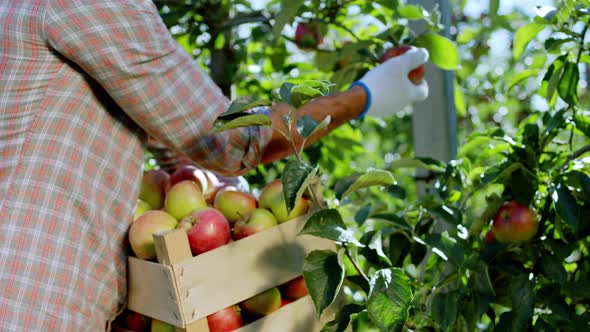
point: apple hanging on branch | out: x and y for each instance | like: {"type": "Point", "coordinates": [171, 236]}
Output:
{"type": "Point", "coordinates": [308, 35]}
{"type": "Point", "coordinates": [416, 75]}
{"type": "Point", "coordinates": [514, 223]}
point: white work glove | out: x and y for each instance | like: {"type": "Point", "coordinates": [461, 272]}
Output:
{"type": "Point", "coordinates": [388, 87]}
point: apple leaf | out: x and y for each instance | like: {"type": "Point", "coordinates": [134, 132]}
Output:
{"type": "Point", "coordinates": [583, 124]}
{"type": "Point", "coordinates": [306, 91]}
{"type": "Point", "coordinates": [373, 250]}
{"type": "Point", "coordinates": [323, 272]}
{"type": "Point", "coordinates": [446, 247]}
{"type": "Point", "coordinates": [307, 126]}
{"type": "Point", "coordinates": [568, 84]}
{"type": "Point", "coordinates": [289, 9]}
{"type": "Point", "coordinates": [285, 92]}
{"type": "Point", "coordinates": [243, 104]}
{"type": "Point", "coordinates": [344, 76]}
{"type": "Point", "coordinates": [500, 173]}
{"type": "Point", "coordinates": [343, 318]}
{"type": "Point", "coordinates": [444, 308]}
{"type": "Point", "coordinates": [521, 76]}
{"type": "Point", "coordinates": [426, 163]}
{"type": "Point", "coordinates": [443, 51]}
{"type": "Point", "coordinates": [411, 12]}
{"type": "Point", "coordinates": [374, 177]}
{"type": "Point", "coordinates": [523, 302]}
{"type": "Point", "coordinates": [328, 224]}
{"type": "Point", "coordinates": [546, 12]}
{"type": "Point", "coordinates": [389, 300]}
{"type": "Point", "coordinates": [566, 206]}
{"type": "Point", "coordinates": [524, 35]}
{"type": "Point", "coordinates": [296, 177]}
{"type": "Point", "coordinates": [551, 80]}
{"type": "Point", "coordinates": [243, 121]}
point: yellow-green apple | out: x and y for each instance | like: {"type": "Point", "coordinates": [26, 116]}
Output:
{"type": "Point", "coordinates": [142, 230]}
{"type": "Point", "coordinates": [514, 223]}
{"type": "Point", "coordinates": [154, 184]}
{"type": "Point", "coordinates": [263, 303]}
{"type": "Point", "coordinates": [256, 221]}
{"type": "Point", "coordinates": [417, 74]}
{"type": "Point", "coordinates": [182, 198]}
{"type": "Point", "coordinates": [225, 320]}
{"type": "Point", "coordinates": [272, 198]}
{"type": "Point", "coordinates": [234, 204]}
{"type": "Point", "coordinates": [141, 207]}
{"type": "Point", "coordinates": [209, 230]}
{"type": "Point", "coordinates": [295, 289]}
{"type": "Point", "coordinates": [160, 326]}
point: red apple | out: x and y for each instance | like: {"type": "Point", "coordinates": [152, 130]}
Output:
{"type": "Point", "coordinates": [514, 223]}
{"type": "Point", "coordinates": [295, 289]}
{"type": "Point", "coordinates": [209, 230]}
{"type": "Point", "coordinates": [140, 208]}
{"type": "Point", "coordinates": [416, 75]}
{"type": "Point", "coordinates": [489, 237]}
{"type": "Point", "coordinates": [234, 204]}
{"type": "Point", "coordinates": [225, 320]}
{"type": "Point", "coordinates": [182, 198]}
{"type": "Point", "coordinates": [272, 199]}
{"type": "Point", "coordinates": [142, 230]}
{"type": "Point", "coordinates": [257, 221]}
{"type": "Point", "coordinates": [160, 326]}
{"type": "Point", "coordinates": [308, 35]}
{"type": "Point", "coordinates": [205, 179]}
{"type": "Point", "coordinates": [133, 321]}
{"type": "Point", "coordinates": [263, 303]}
{"type": "Point", "coordinates": [154, 184]}
{"type": "Point", "coordinates": [284, 302]}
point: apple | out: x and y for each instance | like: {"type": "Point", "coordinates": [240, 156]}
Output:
{"type": "Point", "coordinates": [272, 198]}
{"type": "Point", "coordinates": [205, 179]}
{"type": "Point", "coordinates": [257, 221]}
{"type": "Point", "coordinates": [284, 302]}
{"type": "Point", "coordinates": [234, 204]}
{"type": "Point", "coordinates": [263, 303]}
{"type": "Point", "coordinates": [142, 206]}
{"type": "Point", "coordinates": [154, 184]}
{"type": "Point", "coordinates": [514, 223]}
{"type": "Point", "coordinates": [209, 230]}
{"type": "Point", "coordinates": [133, 321]}
{"type": "Point", "coordinates": [160, 326]}
{"type": "Point", "coordinates": [142, 230]}
{"type": "Point", "coordinates": [182, 198]}
{"type": "Point", "coordinates": [295, 289]}
{"type": "Point", "coordinates": [416, 75]}
{"type": "Point", "coordinates": [489, 237]}
{"type": "Point", "coordinates": [308, 35]}
{"type": "Point", "coordinates": [225, 320]}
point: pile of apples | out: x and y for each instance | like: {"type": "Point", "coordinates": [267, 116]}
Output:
{"type": "Point", "coordinates": [227, 319]}
{"type": "Point", "coordinates": [212, 210]}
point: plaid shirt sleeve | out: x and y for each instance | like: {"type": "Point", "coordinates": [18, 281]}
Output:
{"type": "Point", "coordinates": [126, 48]}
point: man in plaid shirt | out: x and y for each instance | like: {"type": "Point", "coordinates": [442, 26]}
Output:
{"type": "Point", "coordinates": [82, 85]}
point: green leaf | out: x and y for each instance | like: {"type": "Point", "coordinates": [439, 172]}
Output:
{"type": "Point", "coordinates": [389, 299]}
{"type": "Point", "coordinates": [566, 206]}
{"type": "Point", "coordinates": [305, 92]}
{"type": "Point", "coordinates": [443, 51]}
{"type": "Point", "coordinates": [551, 80]}
{"type": "Point", "coordinates": [343, 77]}
{"type": "Point", "coordinates": [243, 104]}
{"type": "Point", "coordinates": [243, 121]}
{"type": "Point", "coordinates": [289, 9]}
{"type": "Point", "coordinates": [583, 124]}
{"type": "Point", "coordinates": [343, 318]}
{"type": "Point", "coordinates": [554, 43]}
{"type": "Point", "coordinates": [307, 126]}
{"type": "Point", "coordinates": [373, 250]}
{"type": "Point", "coordinates": [411, 12]}
{"type": "Point", "coordinates": [466, 35]}
{"type": "Point", "coordinates": [444, 308]}
{"type": "Point", "coordinates": [568, 84]}
{"type": "Point", "coordinates": [285, 92]}
{"type": "Point", "coordinates": [520, 76]}
{"type": "Point", "coordinates": [552, 266]}
{"type": "Point", "coordinates": [479, 280]}
{"type": "Point", "coordinates": [446, 213]}
{"type": "Point", "coordinates": [425, 163]}
{"type": "Point", "coordinates": [295, 179]}
{"type": "Point", "coordinates": [328, 224]}
{"type": "Point", "coordinates": [500, 173]}
{"type": "Point", "coordinates": [523, 302]}
{"type": "Point", "coordinates": [323, 272]}
{"type": "Point", "coordinates": [581, 181]}
{"type": "Point", "coordinates": [446, 247]}
{"type": "Point", "coordinates": [524, 35]}
{"type": "Point", "coordinates": [546, 12]}
{"type": "Point", "coordinates": [374, 177]}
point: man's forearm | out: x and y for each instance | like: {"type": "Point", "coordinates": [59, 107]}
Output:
{"type": "Point", "coordinates": [341, 107]}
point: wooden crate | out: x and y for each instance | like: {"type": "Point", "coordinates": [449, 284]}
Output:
{"type": "Point", "coordinates": [183, 290]}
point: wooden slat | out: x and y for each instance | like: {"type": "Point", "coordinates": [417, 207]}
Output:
{"type": "Point", "coordinates": [172, 247]}
{"type": "Point", "coordinates": [239, 270]}
{"type": "Point", "coordinates": [196, 326]}
{"type": "Point", "coordinates": [297, 316]}
{"type": "Point", "coordinates": [151, 291]}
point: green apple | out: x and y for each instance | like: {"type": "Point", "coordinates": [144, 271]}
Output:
{"type": "Point", "coordinates": [182, 198]}
{"type": "Point", "coordinates": [154, 184]}
{"type": "Point", "coordinates": [160, 326]}
{"type": "Point", "coordinates": [263, 303]}
{"type": "Point", "coordinates": [142, 230]}
{"type": "Point", "coordinates": [272, 199]}
{"type": "Point", "coordinates": [257, 221]}
{"type": "Point", "coordinates": [234, 204]}
{"type": "Point", "coordinates": [142, 206]}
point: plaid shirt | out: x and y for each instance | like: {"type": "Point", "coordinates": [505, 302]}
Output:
{"type": "Point", "coordinates": [82, 85]}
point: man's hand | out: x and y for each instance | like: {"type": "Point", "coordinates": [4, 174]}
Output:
{"type": "Point", "coordinates": [388, 87]}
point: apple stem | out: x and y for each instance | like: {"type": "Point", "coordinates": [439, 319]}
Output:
{"type": "Point", "coordinates": [355, 264]}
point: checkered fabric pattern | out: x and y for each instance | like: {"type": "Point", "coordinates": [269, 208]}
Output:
{"type": "Point", "coordinates": [82, 85]}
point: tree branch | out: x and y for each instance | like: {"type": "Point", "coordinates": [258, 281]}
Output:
{"type": "Point", "coordinates": [575, 155]}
